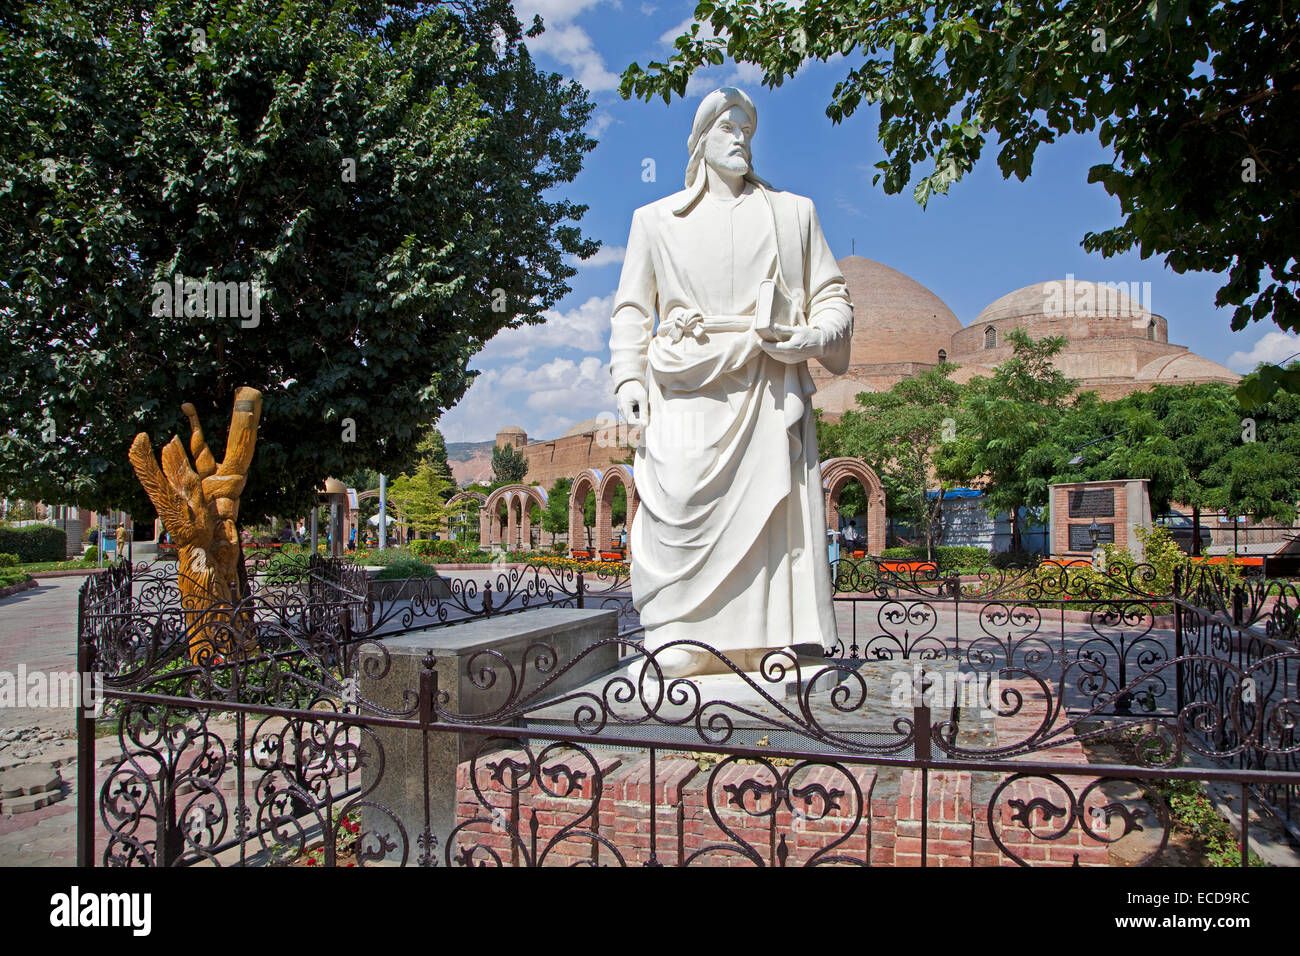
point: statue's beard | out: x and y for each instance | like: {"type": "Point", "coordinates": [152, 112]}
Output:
{"type": "Point", "coordinates": [735, 164]}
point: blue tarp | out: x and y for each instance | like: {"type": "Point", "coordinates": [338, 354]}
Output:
{"type": "Point", "coordinates": [956, 493]}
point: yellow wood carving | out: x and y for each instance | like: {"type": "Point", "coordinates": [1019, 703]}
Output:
{"type": "Point", "coordinates": [199, 504]}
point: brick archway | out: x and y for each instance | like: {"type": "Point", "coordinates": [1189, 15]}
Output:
{"type": "Point", "coordinates": [615, 476]}
{"type": "Point", "coordinates": [836, 473]}
{"type": "Point", "coordinates": [518, 501]}
{"type": "Point", "coordinates": [587, 480]}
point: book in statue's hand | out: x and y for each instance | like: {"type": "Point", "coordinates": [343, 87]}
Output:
{"type": "Point", "coordinates": [775, 313]}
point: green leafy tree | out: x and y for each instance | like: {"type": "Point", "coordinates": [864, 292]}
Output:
{"type": "Point", "coordinates": [828, 437]}
{"type": "Point", "coordinates": [433, 447]}
{"type": "Point", "coordinates": [382, 174]}
{"type": "Point", "coordinates": [508, 465]}
{"type": "Point", "coordinates": [421, 497]}
{"type": "Point", "coordinates": [1095, 440]}
{"type": "Point", "coordinates": [556, 517]}
{"type": "Point", "coordinates": [897, 432]}
{"type": "Point", "coordinates": [1196, 99]}
{"type": "Point", "coordinates": [1196, 447]}
{"type": "Point", "coordinates": [1001, 421]}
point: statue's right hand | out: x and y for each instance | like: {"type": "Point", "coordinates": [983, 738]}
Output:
{"type": "Point", "coordinates": [633, 405]}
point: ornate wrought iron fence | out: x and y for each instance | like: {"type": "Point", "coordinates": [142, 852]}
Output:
{"type": "Point", "coordinates": [256, 760]}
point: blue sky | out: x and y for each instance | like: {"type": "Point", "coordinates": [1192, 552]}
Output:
{"type": "Point", "coordinates": [989, 236]}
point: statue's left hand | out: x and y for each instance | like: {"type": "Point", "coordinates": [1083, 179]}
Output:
{"type": "Point", "coordinates": [799, 343]}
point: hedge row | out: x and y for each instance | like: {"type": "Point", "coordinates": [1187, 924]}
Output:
{"type": "Point", "coordinates": [35, 543]}
{"type": "Point", "coordinates": [947, 558]}
{"type": "Point", "coordinates": [428, 547]}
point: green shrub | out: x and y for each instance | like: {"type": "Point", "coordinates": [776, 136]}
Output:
{"type": "Point", "coordinates": [947, 558]}
{"type": "Point", "coordinates": [8, 560]}
{"type": "Point", "coordinates": [92, 554]}
{"type": "Point", "coordinates": [1014, 559]}
{"type": "Point", "coordinates": [35, 543]}
{"type": "Point", "coordinates": [288, 566]}
{"type": "Point", "coordinates": [405, 566]}
{"type": "Point", "coordinates": [12, 577]}
{"type": "Point", "coordinates": [427, 547]}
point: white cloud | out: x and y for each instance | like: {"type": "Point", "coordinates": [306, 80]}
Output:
{"type": "Point", "coordinates": [552, 11]}
{"type": "Point", "coordinates": [702, 84]}
{"type": "Point", "coordinates": [648, 8]}
{"type": "Point", "coordinates": [567, 42]}
{"type": "Point", "coordinates": [605, 256]}
{"type": "Point", "coordinates": [1271, 347]}
{"type": "Point", "coordinates": [745, 74]}
{"type": "Point", "coordinates": [849, 207]}
{"type": "Point", "coordinates": [599, 123]}
{"type": "Point", "coordinates": [706, 31]}
{"type": "Point", "coordinates": [563, 385]}
{"type": "Point", "coordinates": [584, 327]}
{"type": "Point", "coordinates": [544, 400]}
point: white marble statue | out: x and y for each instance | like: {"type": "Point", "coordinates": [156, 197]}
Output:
{"type": "Point", "coordinates": [728, 543]}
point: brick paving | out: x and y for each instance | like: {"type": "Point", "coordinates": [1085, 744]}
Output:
{"type": "Point", "coordinates": [38, 628]}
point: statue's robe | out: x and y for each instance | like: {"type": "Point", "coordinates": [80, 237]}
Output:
{"type": "Point", "coordinates": [729, 543]}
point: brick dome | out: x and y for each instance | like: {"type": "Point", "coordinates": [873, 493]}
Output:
{"type": "Point", "coordinates": [512, 435]}
{"type": "Point", "coordinates": [1063, 297]}
{"type": "Point", "coordinates": [895, 318]}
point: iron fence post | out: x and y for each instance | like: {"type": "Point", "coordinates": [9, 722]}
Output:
{"type": "Point", "coordinates": [581, 591]}
{"type": "Point", "coordinates": [85, 758]}
{"type": "Point", "coordinates": [921, 751]}
{"type": "Point", "coordinates": [428, 841]}
{"type": "Point", "coordinates": [1180, 675]}
{"type": "Point", "coordinates": [1245, 825]}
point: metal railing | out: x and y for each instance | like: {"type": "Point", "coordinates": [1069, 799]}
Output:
{"type": "Point", "coordinates": [258, 758]}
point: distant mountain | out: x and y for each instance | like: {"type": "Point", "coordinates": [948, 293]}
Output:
{"type": "Point", "coordinates": [465, 450]}
{"type": "Point", "coordinates": [470, 461]}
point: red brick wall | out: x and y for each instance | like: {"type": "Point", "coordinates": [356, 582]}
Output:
{"type": "Point", "coordinates": [876, 823]}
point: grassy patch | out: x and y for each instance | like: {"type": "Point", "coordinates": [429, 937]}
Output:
{"type": "Point", "coordinates": [1193, 812]}
{"type": "Point", "coordinates": [76, 564]}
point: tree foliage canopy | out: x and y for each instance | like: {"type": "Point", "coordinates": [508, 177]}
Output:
{"type": "Point", "coordinates": [1192, 442]}
{"type": "Point", "coordinates": [1197, 100]}
{"type": "Point", "coordinates": [379, 172]}
{"type": "Point", "coordinates": [1001, 422]}
{"type": "Point", "coordinates": [509, 466]}
{"type": "Point", "coordinates": [897, 433]}
{"type": "Point", "coordinates": [421, 495]}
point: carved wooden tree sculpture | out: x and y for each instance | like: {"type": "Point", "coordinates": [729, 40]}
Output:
{"type": "Point", "coordinates": [199, 506]}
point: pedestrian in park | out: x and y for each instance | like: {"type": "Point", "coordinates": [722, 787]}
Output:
{"type": "Point", "coordinates": [121, 542]}
{"type": "Point", "coordinates": [852, 539]}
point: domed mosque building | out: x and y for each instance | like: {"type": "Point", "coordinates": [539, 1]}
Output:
{"type": "Point", "coordinates": [1114, 345]}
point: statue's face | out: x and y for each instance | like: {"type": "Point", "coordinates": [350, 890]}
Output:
{"type": "Point", "coordinates": [726, 145]}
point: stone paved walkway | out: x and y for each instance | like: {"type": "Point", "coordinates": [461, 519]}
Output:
{"type": "Point", "coordinates": [38, 629]}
